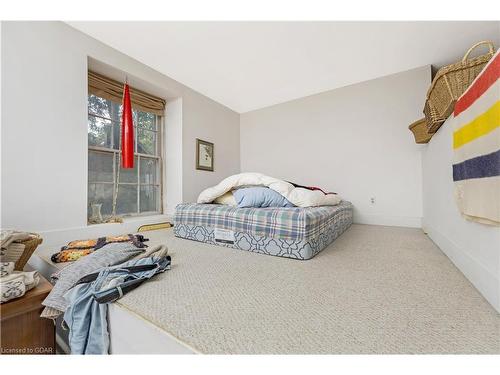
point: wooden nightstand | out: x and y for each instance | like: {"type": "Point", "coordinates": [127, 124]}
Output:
{"type": "Point", "coordinates": [22, 329]}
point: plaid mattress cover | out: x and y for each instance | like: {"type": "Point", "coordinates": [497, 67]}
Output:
{"type": "Point", "coordinates": [289, 223]}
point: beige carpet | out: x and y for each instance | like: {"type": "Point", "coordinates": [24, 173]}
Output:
{"type": "Point", "coordinates": [374, 290]}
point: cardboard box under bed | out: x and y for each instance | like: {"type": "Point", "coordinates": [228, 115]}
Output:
{"type": "Point", "coordinates": [298, 233]}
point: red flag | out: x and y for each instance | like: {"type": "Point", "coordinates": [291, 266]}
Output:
{"type": "Point", "coordinates": [127, 130]}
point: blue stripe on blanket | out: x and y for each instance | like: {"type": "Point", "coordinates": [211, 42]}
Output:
{"type": "Point", "coordinates": [482, 166]}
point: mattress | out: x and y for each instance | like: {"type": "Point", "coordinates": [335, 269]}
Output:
{"type": "Point", "coordinates": [298, 233]}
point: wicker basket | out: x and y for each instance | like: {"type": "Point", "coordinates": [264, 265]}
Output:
{"type": "Point", "coordinates": [450, 83]}
{"type": "Point", "coordinates": [30, 246]}
{"type": "Point", "coordinates": [419, 130]}
{"type": "Point", "coordinates": [432, 117]}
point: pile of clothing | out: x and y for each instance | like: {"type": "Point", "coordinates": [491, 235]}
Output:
{"type": "Point", "coordinates": [14, 284]}
{"type": "Point", "coordinates": [104, 270]}
{"type": "Point", "coordinates": [79, 248]}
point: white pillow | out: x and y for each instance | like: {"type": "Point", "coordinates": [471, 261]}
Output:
{"type": "Point", "coordinates": [227, 199]}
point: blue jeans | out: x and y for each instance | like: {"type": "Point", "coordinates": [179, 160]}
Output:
{"type": "Point", "coordinates": [86, 318]}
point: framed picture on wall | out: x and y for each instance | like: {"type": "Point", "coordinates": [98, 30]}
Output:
{"type": "Point", "coordinates": [204, 155]}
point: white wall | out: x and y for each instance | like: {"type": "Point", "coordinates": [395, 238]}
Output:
{"type": "Point", "coordinates": [173, 154]}
{"type": "Point", "coordinates": [353, 140]}
{"type": "Point", "coordinates": [473, 247]}
{"type": "Point", "coordinates": [220, 127]}
{"type": "Point", "coordinates": [44, 128]}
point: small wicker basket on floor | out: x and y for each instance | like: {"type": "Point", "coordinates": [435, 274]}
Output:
{"type": "Point", "coordinates": [30, 246]}
{"type": "Point", "coordinates": [419, 130]}
{"type": "Point", "coordinates": [450, 83]}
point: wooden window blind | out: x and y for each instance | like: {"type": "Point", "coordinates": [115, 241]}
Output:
{"type": "Point", "coordinates": [108, 88]}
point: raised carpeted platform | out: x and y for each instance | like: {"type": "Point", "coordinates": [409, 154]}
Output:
{"type": "Point", "coordinates": [374, 290]}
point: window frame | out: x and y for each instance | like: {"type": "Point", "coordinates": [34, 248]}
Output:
{"type": "Point", "coordinates": [116, 152]}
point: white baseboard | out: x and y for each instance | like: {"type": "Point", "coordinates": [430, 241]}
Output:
{"type": "Point", "coordinates": [485, 282]}
{"type": "Point", "coordinates": [392, 221]}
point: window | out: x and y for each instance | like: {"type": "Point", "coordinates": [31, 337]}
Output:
{"type": "Point", "coordinates": [137, 190]}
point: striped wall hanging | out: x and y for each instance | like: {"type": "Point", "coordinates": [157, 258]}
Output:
{"type": "Point", "coordinates": [476, 145]}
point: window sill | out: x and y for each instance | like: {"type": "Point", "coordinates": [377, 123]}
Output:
{"type": "Point", "coordinates": [136, 220]}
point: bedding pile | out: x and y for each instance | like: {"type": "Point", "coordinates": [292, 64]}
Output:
{"type": "Point", "coordinates": [271, 189]}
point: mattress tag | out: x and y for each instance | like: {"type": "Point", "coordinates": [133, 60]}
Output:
{"type": "Point", "coordinates": [224, 236]}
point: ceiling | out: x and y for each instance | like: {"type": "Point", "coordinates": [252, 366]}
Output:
{"type": "Point", "coordinates": [251, 65]}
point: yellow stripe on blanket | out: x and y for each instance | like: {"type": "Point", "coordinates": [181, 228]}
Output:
{"type": "Point", "coordinates": [481, 125]}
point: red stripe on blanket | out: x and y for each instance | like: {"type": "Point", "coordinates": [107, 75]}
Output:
{"type": "Point", "coordinates": [484, 81]}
